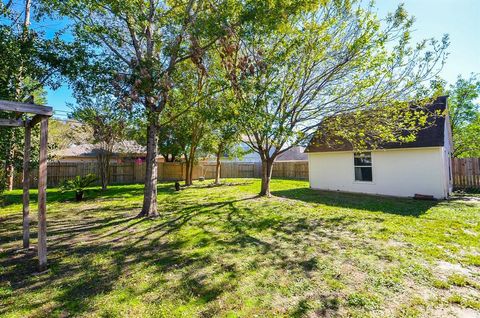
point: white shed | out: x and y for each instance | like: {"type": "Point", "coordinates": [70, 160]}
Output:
{"type": "Point", "coordinates": [404, 170]}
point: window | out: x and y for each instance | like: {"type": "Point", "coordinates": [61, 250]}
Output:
{"type": "Point", "coordinates": [363, 166]}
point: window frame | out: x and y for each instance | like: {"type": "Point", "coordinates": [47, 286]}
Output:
{"type": "Point", "coordinates": [355, 154]}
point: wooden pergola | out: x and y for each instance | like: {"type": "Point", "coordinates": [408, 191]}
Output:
{"type": "Point", "coordinates": [34, 114]}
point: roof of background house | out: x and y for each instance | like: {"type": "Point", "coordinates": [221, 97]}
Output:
{"type": "Point", "coordinates": [294, 153]}
{"type": "Point", "coordinates": [431, 136]}
{"type": "Point", "coordinates": [89, 150]}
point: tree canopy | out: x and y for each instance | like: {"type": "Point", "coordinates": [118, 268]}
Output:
{"type": "Point", "coordinates": [464, 110]}
{"type": "Point", "coordinates": [29, 62]}
{"type": "Point", "coordinates": [138, 45]}
{"type": "Point", "coordinates": [341, 59]}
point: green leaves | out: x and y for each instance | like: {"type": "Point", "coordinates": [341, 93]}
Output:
{"type": "Point", "coordinates": [78, 183]}
{"type": "Point", "coordinates": [104, 117]}
{"type": "Point", "coordinates": [339, 60]}
{"type": "Point", "coordinates": [464, 112]}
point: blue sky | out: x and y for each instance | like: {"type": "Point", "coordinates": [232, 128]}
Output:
{"type": "Point", "coordinates": [460, 19]}
{"type": "Point", "coordinates": [434, 18]}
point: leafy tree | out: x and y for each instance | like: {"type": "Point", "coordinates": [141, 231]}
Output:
{"type": "Point", "coordinates": [340, 60]}
{"type": "Point", "coordinates": [28, 63]}
{"type": "Point", "coordinates": [168, 145]}
{"type": "Point", "coordinates": [464, 110]}
{"type": "Point", "coordinates": [62, 134]}
{"type": "Point", "coordinates": [107, 122]}
{"type": "Point", "coordinates": [225, 143]}
{"type": "Point", "coordinates": [225, 135]}
{"type": "Point", "coordinates": [467, 140]}
{"type": "Point", "coordinates": [141, 43]}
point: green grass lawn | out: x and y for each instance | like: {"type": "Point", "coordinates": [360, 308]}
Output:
{"type": "Point", "coordinates": [223, 252]}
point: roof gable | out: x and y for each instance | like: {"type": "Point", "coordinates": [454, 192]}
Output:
{"type": "Point", "coordinates": [431, 136]}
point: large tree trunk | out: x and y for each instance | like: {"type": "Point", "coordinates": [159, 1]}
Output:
{"type": "Point", "coordinates": [190, 175]}
{"type": "Point", "coordinates": [190, 163]}
{"type": "Point", "coordinates": [149, 208]}
{"type": "Point", "coordinates": [104, 168]}
{"type": "Point", "coordinates": [267, 168]}
{"type": "Point", "coordinates": [187, 171]}
{"type": "Point", "coordinates": [217, 168]}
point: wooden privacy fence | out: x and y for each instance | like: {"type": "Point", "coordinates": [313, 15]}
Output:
{"type": "Point", "coordinates": [466, 173]}
{"type": "Point", "coordinates": [131, 172]}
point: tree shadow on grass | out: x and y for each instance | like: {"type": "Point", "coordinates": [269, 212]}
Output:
{"type": "Point", "coordinates": [91, 194]}
{"type": "Point", "coordinates": [95, 254]}
{"type": "Point", "coordinates": [120, 241]}
{"type": "Point", "coordinates": [365, 202]}
{"type": "Point", "coordinates": [85, 278]}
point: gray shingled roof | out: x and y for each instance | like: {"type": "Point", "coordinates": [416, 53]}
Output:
{"type": "Point", "coordinates": [294, 153]}
{"type": "Point", "coordinates": [90, 150]}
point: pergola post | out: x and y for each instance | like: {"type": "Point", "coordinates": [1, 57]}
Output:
{"type": "Point", "coordinates": [41, 114]}
{"type": "Point", "coordinates": [26, 185]}
{"type": "Point", "coordinates": [42, 195]}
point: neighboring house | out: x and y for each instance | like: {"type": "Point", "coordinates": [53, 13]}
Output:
{"type": "Point", "coordinates": [293, 154]}
{"type": "Point", "coordinates": [419, 167]}
{"type": "Point", "coordinates": [122, 151]}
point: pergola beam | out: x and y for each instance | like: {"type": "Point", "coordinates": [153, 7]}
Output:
{"type": "Point", "coordinates": [5, 122]}
{"type": "Point", "coordinates": [25, 108]}
{"type": "Point", "coordinates": [35, 120]}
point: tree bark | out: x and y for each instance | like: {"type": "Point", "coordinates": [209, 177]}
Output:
{"type": "Point", "coordinates": [190, 161]}
{"type": "Point", "coordinates": [217, 168]}
{"type": "Point", "coordinates": [187, 171]}
{"type": "Point", "coordinates": [267, 168]}
{"type": "Point", "coordinates": [26, 186]}
{"type": "Point", "coordinates": [190, 175]}
{"type": "Point", "coordinates": [150, 208]}
{"type": "Point", "coordinates": [10, 172]}
{"type": "Point", "coordinates": [26, 21]}
{"type": "Point", "coordinates": [104, 167]}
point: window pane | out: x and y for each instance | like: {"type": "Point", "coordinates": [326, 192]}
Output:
{"type": "Point", "coordinates": [363, 174]}
{"type": "Point", "coordinates": [363, 159]}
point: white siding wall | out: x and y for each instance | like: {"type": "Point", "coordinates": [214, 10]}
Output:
{"type": "Point", "coordinates": [397, 172]}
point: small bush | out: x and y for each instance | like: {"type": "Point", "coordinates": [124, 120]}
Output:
{"type": "Point", "coordinates": [78, 184]}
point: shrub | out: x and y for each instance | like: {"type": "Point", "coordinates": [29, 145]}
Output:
{"type": "Point", "coordinates": [78, 184]}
